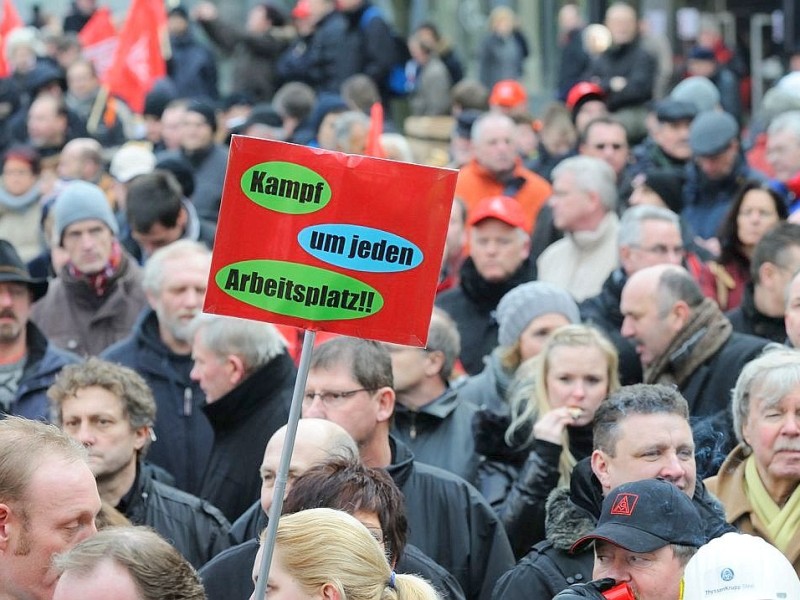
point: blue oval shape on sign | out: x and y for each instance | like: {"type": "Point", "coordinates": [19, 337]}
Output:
{"type": "Point", "coordinates": [360, 248]}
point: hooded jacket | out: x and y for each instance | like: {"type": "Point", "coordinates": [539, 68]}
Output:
{"type": "Point", "coordinates": [572, 513]}
{"type": "Point", "coordinates": [243, 421]}
{"type": "Point", "coordinates": [183, 434]}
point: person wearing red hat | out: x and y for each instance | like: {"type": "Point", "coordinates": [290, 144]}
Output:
{"type": "Point", "coordinates": [508, 96]}
{"type": "Point", "coordinates": [496, 169]}
{"type": "Point", "coordinates": [587, 102]}
{"type": "Point", "coordinates": [499, 260]}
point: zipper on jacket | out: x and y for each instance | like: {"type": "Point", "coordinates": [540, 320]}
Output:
{"type": "Point", "coordinates": [187, 402]}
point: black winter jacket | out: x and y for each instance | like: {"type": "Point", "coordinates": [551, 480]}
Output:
{"type": "Point", "coordinates": [451, 522]}
{"type": "Point", "coordinates": [571, 514]}
{"type": "Point", "coordinates": [244, 420]}
{"type": "Point", "coordinates": [183, 433]}
{"type": "Point", "coordinates": [746, 318]}
{"type": "Point", "coordinates": [324, 60]}
{"type": "Point", "coordinates": [603, 312]}
{"type": "Point", "coordinates": [41, 367]}
{"type": "Point", "coordinates": [632, 62]}
{"type": "Point", "coordinates": [472, 306]}
{"type": "Point", "coordinates": [195, 527]}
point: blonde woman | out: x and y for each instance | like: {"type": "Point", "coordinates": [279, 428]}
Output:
{"type": "Point", "coordinates": [553, 401]}
{"type": "Point", "coordinates": [326, 554]}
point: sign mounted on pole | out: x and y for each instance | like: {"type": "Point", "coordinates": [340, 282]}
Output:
{"type": "Point", "coordinates": [327, 241]}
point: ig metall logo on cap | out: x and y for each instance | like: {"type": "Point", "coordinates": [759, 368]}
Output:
{"type": "Point", "coordinates": [624, 504]}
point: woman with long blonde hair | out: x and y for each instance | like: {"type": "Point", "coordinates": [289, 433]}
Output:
{"type": "Point", "coordinates": [553, 401]}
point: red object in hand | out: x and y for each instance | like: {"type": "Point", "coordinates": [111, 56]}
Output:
{"type": "Point", "coordinates": [619, 592]}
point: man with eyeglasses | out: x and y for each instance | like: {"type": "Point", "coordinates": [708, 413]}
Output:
{"type": "Point", "coordinates": [583, 203]}
{"type": "Point", "coordinates": [683, 339]}
{"type": "Point", "coordinates": [248, 378]}
{"type": "Point", "coordinates": [350, 382]}
{"type": "Point", "coordinates": [648, 235]}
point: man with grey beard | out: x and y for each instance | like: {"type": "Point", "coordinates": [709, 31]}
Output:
{"type": "Point", "coordinates": [159, 349]}
{"type": "Point", "coordinates": [28, 361]}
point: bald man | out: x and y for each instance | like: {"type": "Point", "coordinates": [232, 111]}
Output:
{"type": "Point", "coordinates": [683, 338]}
{"type": "Point", "coordinates": [227, 576]}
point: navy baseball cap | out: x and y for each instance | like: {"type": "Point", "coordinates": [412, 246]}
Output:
{"type": "Point", "coordinates": [646, 515]}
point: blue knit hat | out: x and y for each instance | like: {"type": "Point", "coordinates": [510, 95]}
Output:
{"type": "Point", "coordinates": [81, 201]}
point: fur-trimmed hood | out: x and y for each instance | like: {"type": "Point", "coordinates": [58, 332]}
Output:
{"type": "Point", "coordinates": [566, 522]}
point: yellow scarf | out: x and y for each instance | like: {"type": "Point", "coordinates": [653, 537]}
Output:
{"type": "Point", "coordinates": [782, 523]}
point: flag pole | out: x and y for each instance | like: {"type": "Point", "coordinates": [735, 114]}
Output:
{"type": "Point", "coordinates": [283, 467]}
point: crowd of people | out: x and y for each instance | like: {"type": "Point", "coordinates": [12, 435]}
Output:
{"type": "Point", "coordinates": [609, 398]}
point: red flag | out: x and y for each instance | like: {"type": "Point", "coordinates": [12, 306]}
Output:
{"type": "Point", "coordinates": [10, 21]}
{"type": "Point", "coordinates": [99, 40]}
{"type": "Point", "coordinates": [139, 60]}
{"type": "Point", "coordinates": [374, 147]}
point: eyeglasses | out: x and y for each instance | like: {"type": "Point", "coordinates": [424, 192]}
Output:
{"type": "Point", "coordinates": [662, 250]}
{"type": "Point", "coordinates": [331, 398]}
{"type": "Point", "coordinates": [375, 532]}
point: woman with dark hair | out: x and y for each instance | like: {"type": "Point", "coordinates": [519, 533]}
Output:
{"type": "Point", "coordinates": [756, 209]}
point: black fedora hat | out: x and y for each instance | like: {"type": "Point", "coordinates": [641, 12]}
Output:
{"type": "Point", "coordinates": [12, 269]}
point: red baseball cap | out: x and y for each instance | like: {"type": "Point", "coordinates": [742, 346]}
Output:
{"type": "Point", "coordinates": [503, 208]}
{"type": "Point", "coordinates": [508, 93]}
{"type": "Point", "coordinates": [584, 90]}
{"type": "Point", "coordinates": [302, 10]}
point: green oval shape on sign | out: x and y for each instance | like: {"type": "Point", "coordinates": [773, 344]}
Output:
{"type": "Point", "coordinates": [298, 290]}
{"type": "Point", "coordinates": [286, 187]}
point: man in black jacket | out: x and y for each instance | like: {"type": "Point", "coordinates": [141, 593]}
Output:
{"type": "Point", "coordinates": [626, 70]}
{"type": "Point", "coordinates": [622, 454]}
{"type": "Point", "coordinates": [350, 383]}
{"type": "Point", "coordinates": [159, 349]}
{"type": "Point", "coordinates": [775, 259]}
{"type": "Point", "coordinates": [248, 378]}
{"type": "Point", "coordinates": [324, 59]}
{"type": "Point", "coordinates": [110, 410]}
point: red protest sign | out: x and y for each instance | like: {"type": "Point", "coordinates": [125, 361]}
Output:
{"type": "Point", "coordinates": [329, 241]}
